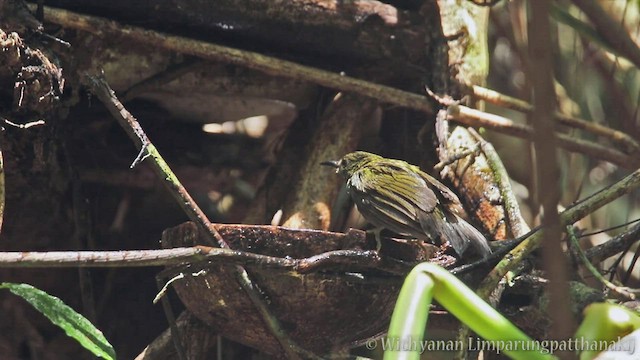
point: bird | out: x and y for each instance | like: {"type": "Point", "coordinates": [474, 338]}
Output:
{"type": "Point", "coordinates": [395, 195]}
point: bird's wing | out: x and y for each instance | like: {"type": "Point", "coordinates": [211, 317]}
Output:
{"type": "Point", "coordinates": [445, 193]}
{"type": "Point", "coordinates": [392, 198]}
{"type": "Point", "coordinates": [406, 202]}
{"type": "Point", "coordinates": [447, 197]}
{"type": "Point", "coordinates": [390, 180]}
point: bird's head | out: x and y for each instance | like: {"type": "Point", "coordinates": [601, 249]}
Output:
{"type": "Point", "coordinates": [352, 162]}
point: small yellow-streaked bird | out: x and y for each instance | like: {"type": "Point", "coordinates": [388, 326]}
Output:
{"type": "Point", "coordinates": [395, 195]}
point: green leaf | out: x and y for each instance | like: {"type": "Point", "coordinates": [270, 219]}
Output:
{"type": "Point", "coordinates": [605, 324]}
{"type": "Point", "coordinates": [74, 324]}
{"type": "Point", "coordinates": [429, 281]}
{"type": "Point", "coordinates": [410, 315]}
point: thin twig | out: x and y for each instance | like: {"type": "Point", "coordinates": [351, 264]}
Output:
{"type": "Point", "coordinates": [24, 126]}
{"type": "Point", "coordinates": [610, 228]}
{"type": "Point", "coordinates": [269, 65]}
{"type": "Point", "coordinates": [622, 291]}
{"type": "Point", "coordinates": [632, 265]}
{"type": "Point", "coordinates": [176, 334]}
{"type": "Point", "coordinates": [617, 137]}
{"type": "Point", "coordinates": [130, 124]}
{"type": "Point", "coordinates": [457, 156]}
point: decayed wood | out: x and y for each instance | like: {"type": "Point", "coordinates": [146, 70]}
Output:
{"type": "Point", "coordinates": [473, 178]}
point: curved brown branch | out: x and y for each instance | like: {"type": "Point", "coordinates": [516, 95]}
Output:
{"type": "Point", "coordinates": [136, 258]}
{"type": "Point", "coordinates": [106, 28]}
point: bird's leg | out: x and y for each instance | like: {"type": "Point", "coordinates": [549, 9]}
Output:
{"type": "Point", "coordinates": [376, 232]}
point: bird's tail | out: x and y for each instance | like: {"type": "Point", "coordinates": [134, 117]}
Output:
{"type": "Point", "coordinates": [469, 234]}
{"type": "Point", "coordinates": [445, 226]}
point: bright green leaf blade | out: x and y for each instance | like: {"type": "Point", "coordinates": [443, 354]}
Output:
{"type": "Point", "coordinates": [410, 316]}
{"type": "Point", "coordinates": [480, 317]}
{"type": "Point", "coordinates": [74, 324]}
{"type": "Point", "coordinates": [427, 281]}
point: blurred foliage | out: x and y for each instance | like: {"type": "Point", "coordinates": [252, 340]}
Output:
{"type": "Point", "coordinates": [592, 83]}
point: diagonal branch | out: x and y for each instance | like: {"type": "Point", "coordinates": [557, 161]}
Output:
{"type": "Point", "coordinates": [612, 31]}
{"type": "Point", "coordinates": [132, 127]}
{"type": "Point", "coordinates": [523, 246]}
{"type": "Point", "coordinates": [477, 118]}
{"type": "Point", "coordinates": [273, 66]}
{"type": "Point", "coordinates": [129, 123]}
{"type": "Point", "coordinates": [105, 28]}
{"type": "Point", "coordinates": [615, 245]}
{"type": "Point", "coordinates": [617, 137]}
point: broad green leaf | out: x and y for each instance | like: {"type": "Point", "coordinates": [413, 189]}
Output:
{"type": "Point", "coordinates": [74, 324]}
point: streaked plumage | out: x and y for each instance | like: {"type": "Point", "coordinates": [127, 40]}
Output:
{"type": "Point", "coordinates": [398, 196]}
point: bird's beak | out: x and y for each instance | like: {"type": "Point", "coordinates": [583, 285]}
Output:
{"type": "Point", "coordinates": [333, 163]}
